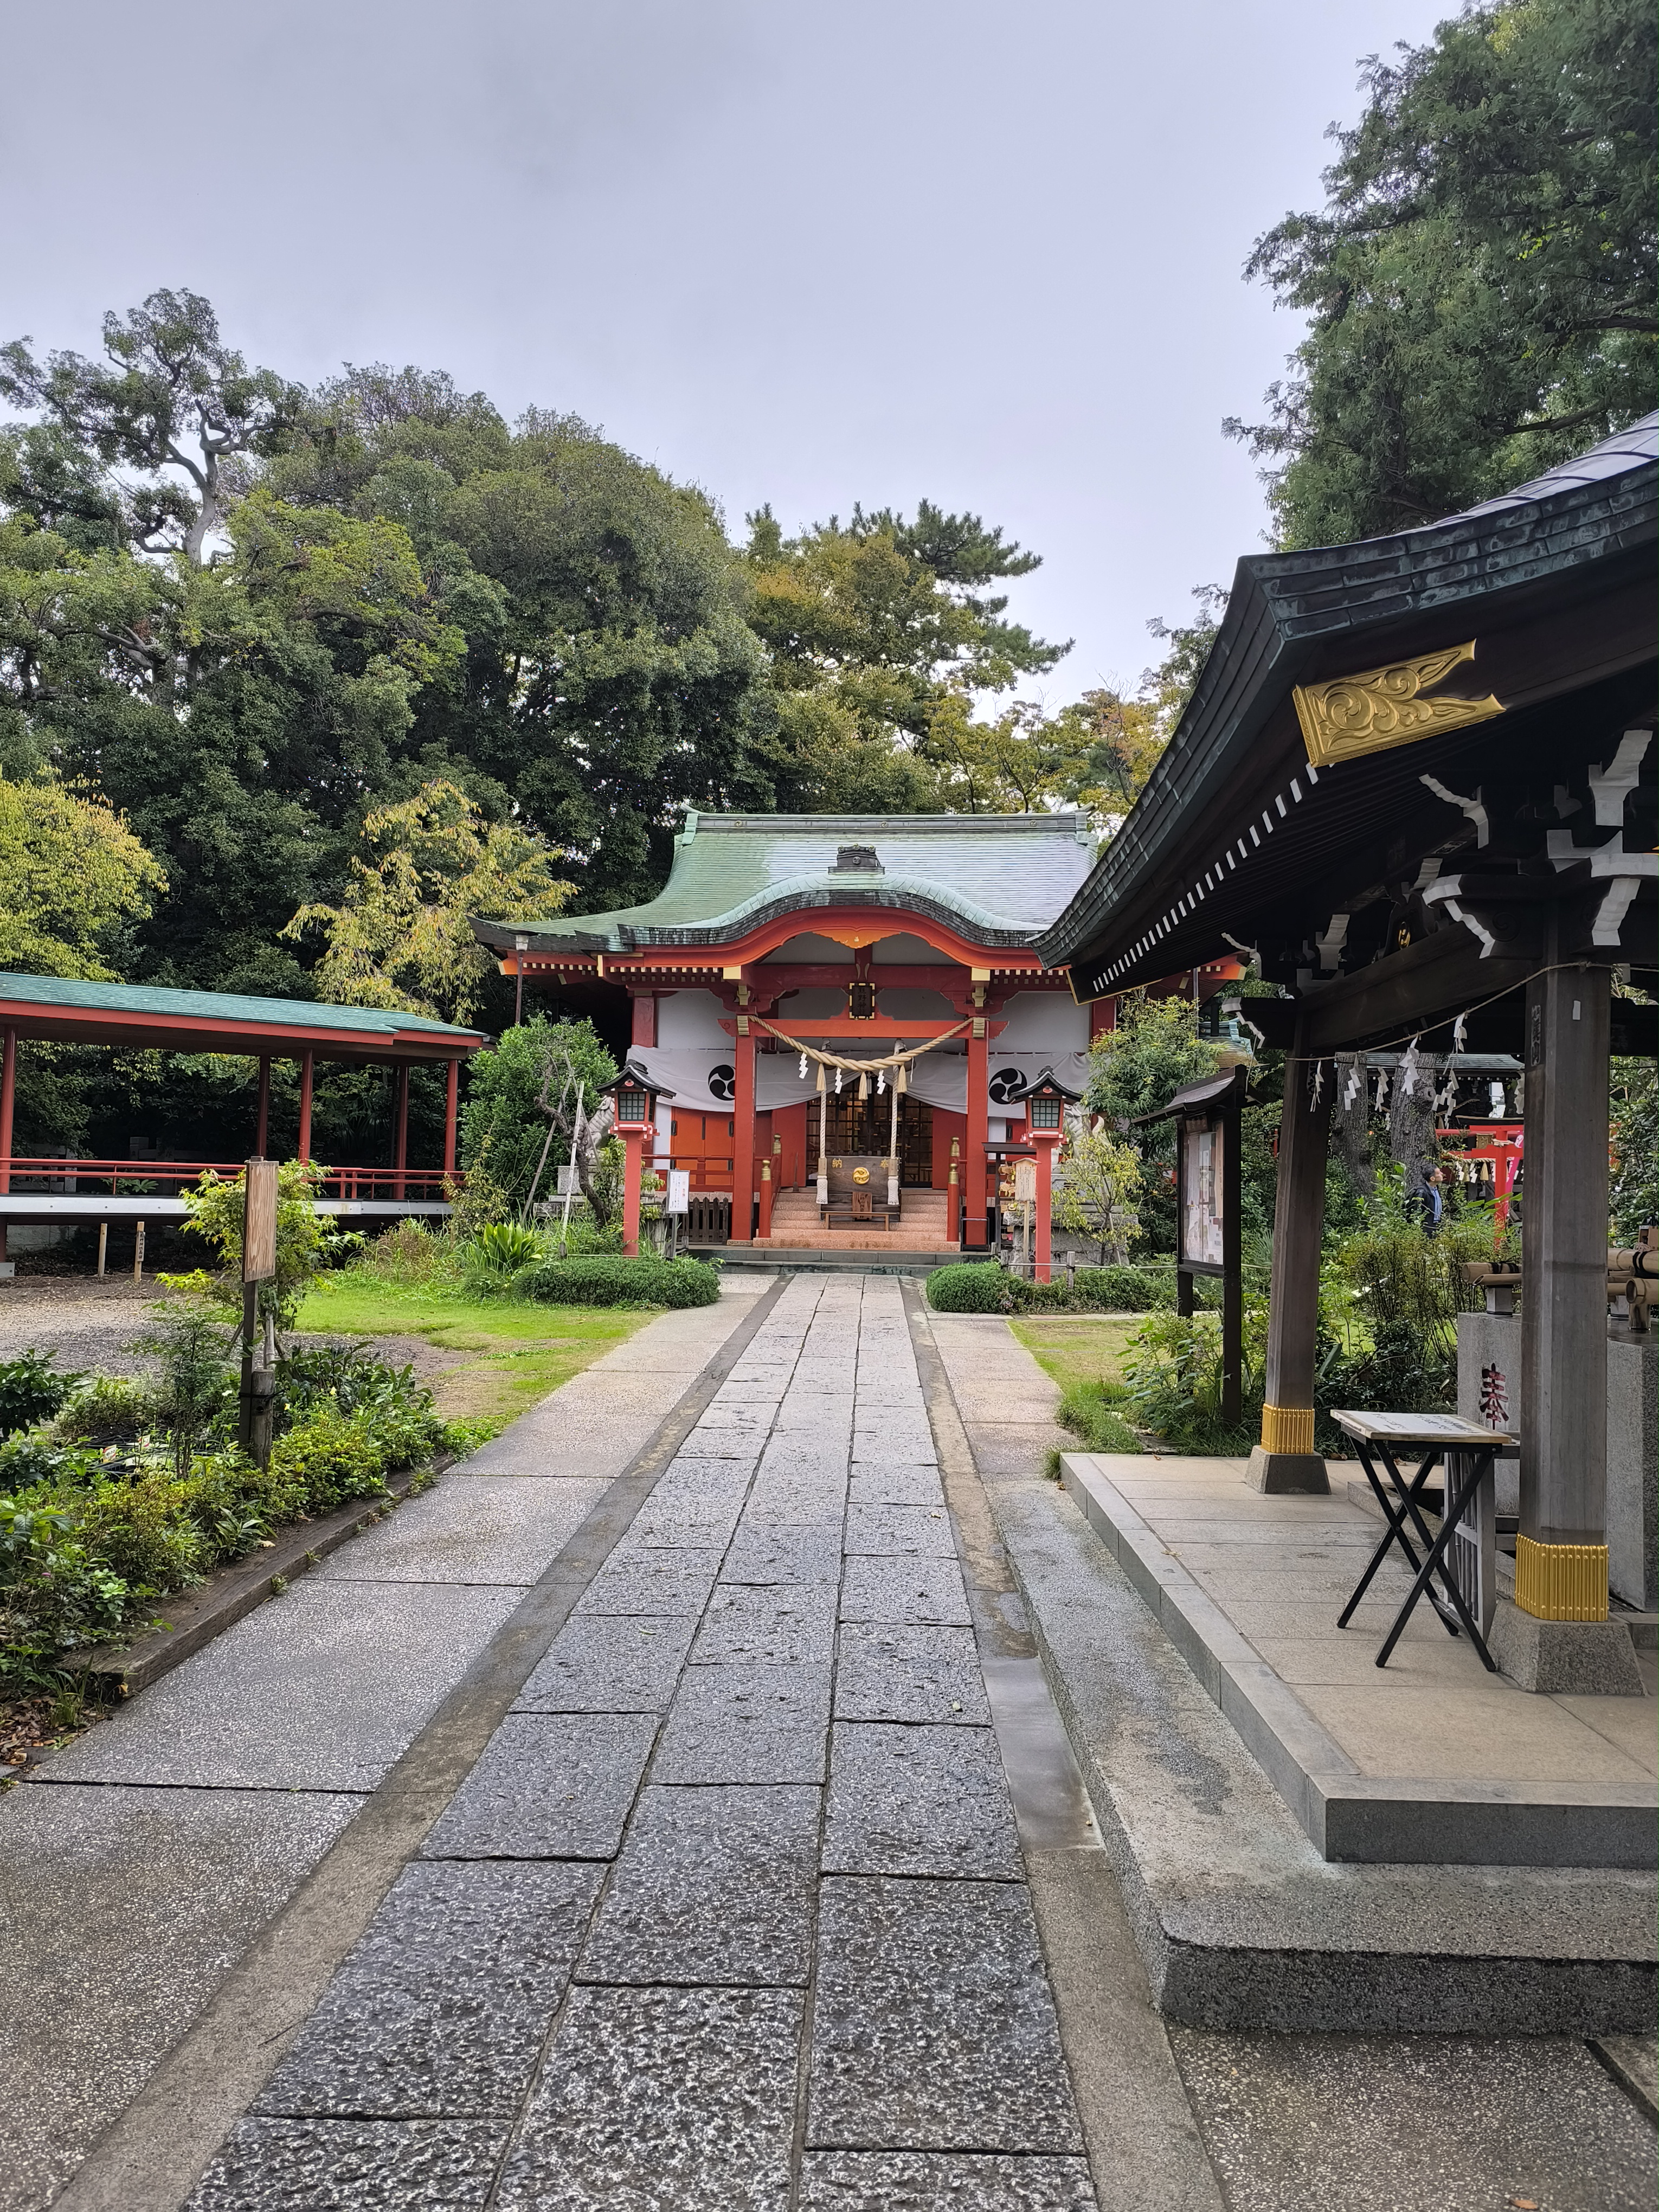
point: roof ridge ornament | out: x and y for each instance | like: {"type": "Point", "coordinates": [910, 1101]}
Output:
{"type": "Point", "coordinates": [856, 860]}
{"type": "Point", "coordinates": [1349, 716]}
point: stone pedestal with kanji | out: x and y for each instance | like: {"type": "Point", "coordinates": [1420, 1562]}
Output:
{"type": "Point", "coordinates": [1489, 1390]}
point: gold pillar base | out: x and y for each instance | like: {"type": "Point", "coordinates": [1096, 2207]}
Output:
{"type": "Point", "coordinates": [1561, 1582]}
{"type": "Point", "coordinates": [1287, 1429]}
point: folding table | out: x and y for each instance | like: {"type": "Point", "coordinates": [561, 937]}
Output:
{"type": "Point", "coordinates": [1470, 1452]}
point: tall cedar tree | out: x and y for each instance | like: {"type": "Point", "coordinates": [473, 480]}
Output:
{"type": "Point", "coordinates": [1481, 278]}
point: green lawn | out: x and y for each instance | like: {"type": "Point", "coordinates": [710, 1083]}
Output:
{"type": "Point", "coordinates": [1077, 1347]}
{"type": "Point", "coordinates": [519, 1351]}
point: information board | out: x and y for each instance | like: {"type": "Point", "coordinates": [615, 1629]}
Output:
{"type": "Point", "coordinates": [1202, 1223]}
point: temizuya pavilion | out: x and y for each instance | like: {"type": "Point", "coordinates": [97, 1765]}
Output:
{"type": "Point", "coordinates": [823, 996]}
{"type": "Point", "coordinates": [1419, 776]}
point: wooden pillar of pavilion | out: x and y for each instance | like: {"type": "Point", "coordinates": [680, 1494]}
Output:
{"type": "Point", "coordinates": [743, 1137]}
{"type": "Point", "coordinates": [400, 1129]}
{"type": "Point", "coordinates": [308, 1077]}
{"type": "Point", "coordinates": [978, 1135]}
{"type": "Point", "coordinates": [1557, 1636]}
{"type": "Point", "coordinates": [8, 1107]}
{"type": "Point", "coordinates": [452, 1114]}
{"type": "Point", "coordinates": [262, 1127]}
{"type": "Point", "coordinates": [1286, 1458]}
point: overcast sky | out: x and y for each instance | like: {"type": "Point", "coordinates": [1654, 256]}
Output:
{"type": "Point", "coordinates": [986, 255]}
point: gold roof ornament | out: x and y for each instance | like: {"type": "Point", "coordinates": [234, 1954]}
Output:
{"type": "Point", "coordinates": [1349, 716]}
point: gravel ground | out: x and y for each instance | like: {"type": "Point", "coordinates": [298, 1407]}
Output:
{"type": "Point", "coordinates": [91, 1325]}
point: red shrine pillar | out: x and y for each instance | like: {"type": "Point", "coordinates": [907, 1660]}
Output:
{"type": "Point", "coordinates": [743, 1138]}
{"type": "Point", "coordinates": [400, 1129]}
{"type": "Point", "coordinates": [262, 1133]}
{"type": "Point", "coordinates": [1048, 1144]}
{"type": "Point", "coordinates": [452, 1114]}
{"type": "Point", "coordinates": [632, 1167]}
{"type": "Point", "coordinates": [8, 1105]}
{"type": "Point", "coordinates": [307, 1073]}
{"type": "Point", "coordinates": [973, 1226]}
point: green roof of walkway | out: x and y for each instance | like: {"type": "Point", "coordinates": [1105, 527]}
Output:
{"type": "Point", "coordinates": [144, 1015]}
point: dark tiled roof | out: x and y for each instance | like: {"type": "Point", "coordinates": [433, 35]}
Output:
{"type": "Point", "coordinates": [1289, 616]}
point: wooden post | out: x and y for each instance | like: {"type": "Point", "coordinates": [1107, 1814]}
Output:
{"type": "Point", "coordinates": [633, 1151]}
{"type": "Point", "coordinates": [307, 1074]}
{"type": "Point", "coordinates": [8, 1105]}
{"type": "Point", "coordinates": [452, 1114]}
{"type": "Point", "coordinates": [743, 1138]}
{"type": "Point", "coordinates": [973, 1227]}
{"type": "Point", "coordinates": [1563, 1300]}
{"type": "Point", "coordinates": [1232, 1277]}
{"type": "Point", "coordinates": [1286, 1458]}
{"type": "Point", "coordinates": [1048, 1143]}
{"type": "Point", "coordinates": [262, 1133]}
{"type": "Point", "coordinates": [764, 1229]}
{"type": "Point", "coordinates": [399, 1128]}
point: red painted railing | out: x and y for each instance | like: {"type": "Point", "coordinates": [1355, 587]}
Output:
{"type": "Point", "coordinates": [167, 1177]}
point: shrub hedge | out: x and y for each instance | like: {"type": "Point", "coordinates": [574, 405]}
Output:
{"type": "Point", "coordinates": [971, 1287]}
{"type": "Point", "coordinates": [603, 1280]}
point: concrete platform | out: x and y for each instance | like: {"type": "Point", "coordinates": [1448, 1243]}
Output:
{"type": "Point", "coordinates": [1431, 1760]}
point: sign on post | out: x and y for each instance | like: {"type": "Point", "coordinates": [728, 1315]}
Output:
{"type": "Point", "coordinates": [260, 1222]}
{"type": "Point", "coordinates": [1025, 1183]}
{"type": "Point", "coordinates": [569, 1186]}
{"type": "Point", "coordinates": [679, 1191]}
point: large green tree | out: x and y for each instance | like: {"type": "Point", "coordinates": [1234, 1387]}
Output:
{"type": "Point", "coordinates": [1482, 280]}
{"type": "Point", "coordinates": [885, 643]}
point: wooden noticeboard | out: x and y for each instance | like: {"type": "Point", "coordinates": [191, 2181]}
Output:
{"type": "Point", "coordinates": [260, 1222]}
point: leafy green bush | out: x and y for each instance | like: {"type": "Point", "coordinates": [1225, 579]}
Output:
{"type": "Point", "coordinates": [969, 1287]}
{"type": "Point", "coordinates": [87, 1537]}
{"type": "Point", "coordinates": [1093, 1411]}
{"type": "Point", "coordinates": [605, 1281]}
{"type": "Point", "coordinates": [1124, 1290]}
{"type": "Point", "coordinates": [31, 1390]}
{"type": "Point", "coordinates": [1174, 1379]}
{"type": "Point", "coordinates": [111, 1409]}
{"type": "Point", "coordinates": [499, 1253]}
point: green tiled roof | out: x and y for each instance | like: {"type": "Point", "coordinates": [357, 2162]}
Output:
{"type": "Point", "coordinates": [47, 992]}
{"type": "Point", "coordinates": [999, 879]}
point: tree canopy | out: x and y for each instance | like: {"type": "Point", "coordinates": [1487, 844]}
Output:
{"type": "Point", "coordinates": [1481, 278]}
{"type": "Point", "coordinates": [76, 880]}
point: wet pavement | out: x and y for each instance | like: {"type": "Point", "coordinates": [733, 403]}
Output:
{"type": "Point", "coordinates": [732, 1911]}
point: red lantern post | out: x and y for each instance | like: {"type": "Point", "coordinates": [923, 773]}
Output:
{"type": "Point", "coordinates": [635, 1098]}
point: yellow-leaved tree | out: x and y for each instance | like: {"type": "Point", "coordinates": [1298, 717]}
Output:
{"type": "Point", "coordinates": [71, 874]}
{"type": "Point", "coordinates": [401, 934]}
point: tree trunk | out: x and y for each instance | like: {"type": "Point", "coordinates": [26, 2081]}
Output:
{"type": "Point", "coordinates": [1352, 1124]}
{"type": "Point", "coordinates": [1411, 1142]}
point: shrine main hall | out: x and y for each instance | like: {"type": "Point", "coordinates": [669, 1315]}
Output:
{"type": "Point", "coordinates": [821, 998]}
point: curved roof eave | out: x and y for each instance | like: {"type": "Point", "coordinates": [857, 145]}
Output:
{"type": "Point", "coordinates": [1283, 606]}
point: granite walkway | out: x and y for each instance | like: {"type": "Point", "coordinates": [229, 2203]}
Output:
{"type": "Point", "coordinates": [731, 1910]}
{"type": "Point", "coordinates": [142, 1864]}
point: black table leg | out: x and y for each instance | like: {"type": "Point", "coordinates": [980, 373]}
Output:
{"type": "Point", "coordinates": [1396, 1529]}
{"type": "Point", "coordinates": [1455, 1509]}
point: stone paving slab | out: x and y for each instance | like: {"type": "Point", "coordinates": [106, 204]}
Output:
{"type": "Point", "coordinates": [605, 1665]}
{"type": "Point", "coordinates": [942, 2181]}
{"type": "Point", "coordinates": [120, 1911]}
{"type": "Point", "coordinates": [933, 2025]}
{"type": "Point", "coordinates": [637, 1578]}
{"type": "Point", "coordinates": [897, 1483]}
{"type": "Point", "coordinates": [505, 1529]}
{"type": "Point", "coordinates": [911, 1591]}
{"type": "Point", "coordinates": [445, 2005]}
{"type": "Point", "coordinates": [713, 1888]}
{"type": "Point", "coordinates": [748, 1627]}
{"type": "Point", "coordinates": [678, 2100]}
{"type": "Point", "coordinates": [896, 1531]}
{"type": "Point", "coordinates": [890, 1673]}
{"type": "Point", "coordinates": [919, 1800]}
{"type": "Point", "coordinates": [326, 2166]}
{"type": "Point", "coordinates": [548, 1786]}
{"type": "Point", "coordinates": [361, 1665]}
{"type": "Point", "coordinates": [747, 1725]}
{"type": "Point", "coordinates": [772, 1555]}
